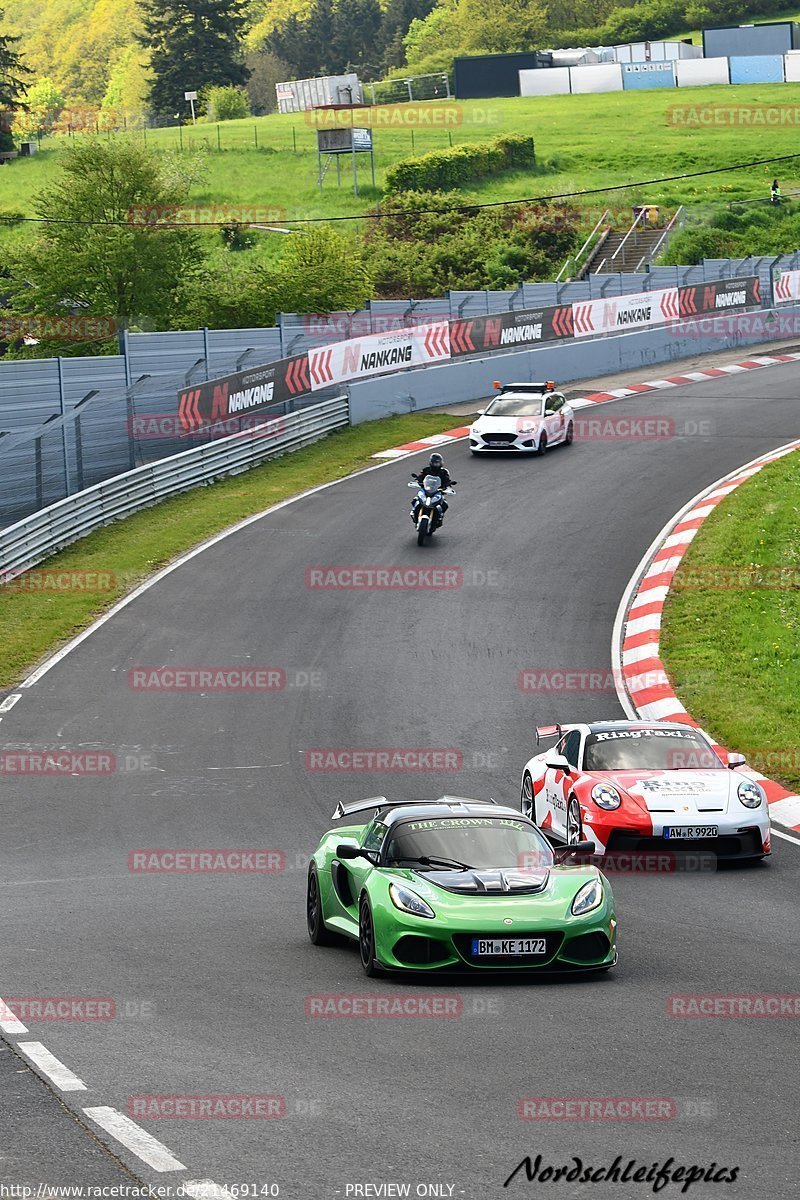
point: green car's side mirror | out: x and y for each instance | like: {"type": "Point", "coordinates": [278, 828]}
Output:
{"type": "Point", "coordinates": [577, 848]}
{"type": "Point", "coordinates": [348, 850]}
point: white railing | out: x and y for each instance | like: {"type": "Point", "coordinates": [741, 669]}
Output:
{"type": "Point", "coordinates": [33, 539]}
{"type": "Point", "coordinates": [675, 223]}
{"type": "Point", "coordinates": [575, 260]}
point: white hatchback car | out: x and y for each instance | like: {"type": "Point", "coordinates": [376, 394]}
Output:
{"type": "Point", "coordinates": [523, 417]}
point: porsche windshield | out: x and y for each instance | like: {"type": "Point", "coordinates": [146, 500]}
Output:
{"type": "Point", "coordinates": [515, 406]}
{"type": "Point", "coordinates": [481, 842]}
{"type": "Point", "coordinates": [648, 750]}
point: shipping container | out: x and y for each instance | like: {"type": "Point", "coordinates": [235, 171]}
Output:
{"type": "Point", "coordinates": [299, 95]}
{"type": "Point", "coordinates": [482, 76]}
{"type": "Point", "coordinates": [743, 41]}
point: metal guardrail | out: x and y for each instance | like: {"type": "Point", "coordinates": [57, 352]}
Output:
{"type": "Point", "coordinates": [33, 539]}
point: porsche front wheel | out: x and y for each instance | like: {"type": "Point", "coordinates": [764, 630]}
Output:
{"type": "Point", "coordinates": [574, 824]}
{"type": "Point", "coordinates": [527, 803]}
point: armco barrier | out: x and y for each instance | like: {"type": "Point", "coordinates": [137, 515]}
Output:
{"type": "Point", "coordinates": [379, 354]}
{"type": "Point", "coordinates": [31, 540]}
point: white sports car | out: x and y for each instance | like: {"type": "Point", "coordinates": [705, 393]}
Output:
{"type": "Point", "coordinates": [641, 786]}
{"type": "Point", "coordinates": [525, 417]}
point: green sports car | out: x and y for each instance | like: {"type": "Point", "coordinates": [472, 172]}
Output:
{"type": "Point", "coordinates": [457, 885]}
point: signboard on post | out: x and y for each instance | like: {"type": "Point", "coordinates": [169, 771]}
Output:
{"type": "Point", "coordinates": [191, 97]}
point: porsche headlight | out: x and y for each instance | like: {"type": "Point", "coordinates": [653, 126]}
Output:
{"type": "Point", "coordinates": [606, 796]}
{"type": "Point", "coordinates": [589, 897]}
{"type": "Point", "coordinates": [750, 794]}
{"type": "Point", "coordinates": [409, 902]}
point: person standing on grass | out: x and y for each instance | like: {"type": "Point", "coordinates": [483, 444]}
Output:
{"type": "Point", "coordinates": [775, 192]}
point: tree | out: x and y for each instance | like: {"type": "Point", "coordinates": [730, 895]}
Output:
{"type": "Point", "coordinates": [13, 75]}
{"type": "Point", "coordinates": [506, 25]}
{"type": "Point", "coordinates": [356, 28]}
{"type": "Point", "coordinates": [194, 45]}
{"type": "Point", "coordinates": [127, 265]}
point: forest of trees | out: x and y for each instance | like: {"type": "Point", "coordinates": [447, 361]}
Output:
{"type": "Point", "coordinates": [116, 53]}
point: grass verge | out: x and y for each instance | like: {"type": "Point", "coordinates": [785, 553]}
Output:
{"type": "Point", "coordinates": [33, 624]}
{"type": "Point", "coordinates": [730, 638]}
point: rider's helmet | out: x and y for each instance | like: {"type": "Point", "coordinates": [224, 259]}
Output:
{"type": "Point", "coordinates": [437, 461]}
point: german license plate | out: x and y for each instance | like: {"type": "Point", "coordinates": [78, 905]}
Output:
{"type": "Point", "coordinates": [507, 946]}
{"type": "Point", "coordinates": [689, 833]}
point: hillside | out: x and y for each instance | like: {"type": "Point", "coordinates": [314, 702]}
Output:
{"type": "Point", "coordinates": [88, 48]}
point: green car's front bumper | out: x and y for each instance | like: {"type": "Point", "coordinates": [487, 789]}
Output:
{"type": "Point", "coordinates": [446, 942]}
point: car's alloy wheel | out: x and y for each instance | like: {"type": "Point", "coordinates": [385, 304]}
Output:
{"type": "Point", "coordinates": [527, 802]}
{"type": "Point", "coordinates": [366, 937]}
{"type": "Point", "coordinates": [317, 929]}
{"type": "Point", "coordinates": [542, 447]}
{"type": "Point", "coordinates": [574, 826]}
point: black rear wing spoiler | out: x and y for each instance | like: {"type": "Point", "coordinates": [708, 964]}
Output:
{"type": "Point", "coordinates": [349, 810]}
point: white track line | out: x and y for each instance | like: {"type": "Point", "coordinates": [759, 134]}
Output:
{"type": "Point", "coordinates": [205, 1189]}
{"type": "Point", "coordinates": [9, 702]}
{"type": "Point", "coordinates": [135, 1139]}
{"type": "Point", "coordinates": [55, 1071]}
{"type": "Point", "coordinates": [9, 1021]}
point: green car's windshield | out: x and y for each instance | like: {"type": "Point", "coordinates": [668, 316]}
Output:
{"type": "Point", "coordinates": [482, 842]}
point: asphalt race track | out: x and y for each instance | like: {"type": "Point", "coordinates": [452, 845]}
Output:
{"type": "Point", "coordinates": [209, 973]}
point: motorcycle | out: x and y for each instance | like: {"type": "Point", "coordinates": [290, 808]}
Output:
{"type": "Point", "coordinates": [426, 512]}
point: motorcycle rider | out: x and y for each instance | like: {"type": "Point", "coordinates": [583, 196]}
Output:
{"type": "Point", "coordinates": [435, 467]}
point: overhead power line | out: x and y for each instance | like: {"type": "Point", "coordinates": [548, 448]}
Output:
{"type": "Point", "coordinates": [416, 212]}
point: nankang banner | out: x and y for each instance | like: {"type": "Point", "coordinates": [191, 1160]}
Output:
{"type": "Point", "coordinates": [525, 327]}
{"type": "Point", "coordinates": [616, 314]}
{"type": "Point", "coordinates": [719, 295]}
{"type": "Point", "coordinates": [378, 354]}
{"type": "Point", "coordinates": [243, 393]}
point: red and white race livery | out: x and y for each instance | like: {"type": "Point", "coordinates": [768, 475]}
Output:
{"type": "Point", "coordinates": [640, 786]}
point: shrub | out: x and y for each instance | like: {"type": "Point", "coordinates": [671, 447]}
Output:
{"type": "Point", "coordinates": [227, 104]}
{"type": "Point", "coordinates": [444, 170]}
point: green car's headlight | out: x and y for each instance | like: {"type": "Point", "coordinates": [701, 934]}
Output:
{"type": "Point", "coordinates": [606, 796]}
{"type": "Point", "coordinates": [590, 896]}
{"type": "Point", "coordinates": [409, 902]}
{"type": "Point", "coordinates": [749, 793]}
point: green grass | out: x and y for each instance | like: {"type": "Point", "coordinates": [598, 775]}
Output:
{"type": "Point", "coordinates": [581, 142]}
{"type": "Point", "coordinates": [33, 624]}
{"type": "Point", "coordinates": [733, 653]}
